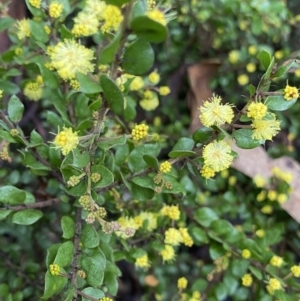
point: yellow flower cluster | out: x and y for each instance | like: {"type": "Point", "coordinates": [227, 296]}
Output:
{"type": "Point", "coordinates": [54, 269]}
{"type": "Point", "coordinates": [212, 112]}
{"type": "Point", "coordinates": [257, 110]}
{"type": "Point", "coordinates": [165, 167]}
{"type": "Point", "coordinates": [246, 254]}
{"type": "Point", "coordinates": [267, 209]}
{"type": "Point", "coordinates": [217, 155]}
{"type": "Point", "coordinates": [1, 93]}
{"type": "Point", "coordinates": [139, 132]}
{"type": "Point", "coordinates": [147, 219]}
{"type": "Point", "coordinates": [136, 84]}
{"type": "Point", "coordinates": [272, 195]}
{"type": "Point", "coordinates": [106, 299]}
{"type": "Point", "coordinates": [171, 211]}
{"type": "Point", "coordinates": [207, 172]}
{"type": "Point", "coordinates": [265, 129]}
{"type": "Point", "coordinates": [66, 140]}
{"type": "Point", "coordinates": [282, 175]}
{"type": "Point", "coordinates": [154, 77]}
{"type": "Point", "coordinates": [85, 25]}
{"type": "Point", "coordinates": [23, 29]}
{"type": "Point", "coordinates": [260, 233]}
{"type": "Point", "coordinates": [142, 262]}
{"type": "Point", "coordinates": [128, 227]}
{"type": "Point", "coordinates": [35, 3]}
{"type": "Point", "coordinates": [251, 67]}
{"type": "Point", "coordinates": [259, 181]}
{"type": "Point", "coordinates": [164, 90]}
{"type": "Point", "coordinates": [168, 253]}
{"type": "Point", "coordinates": [173, 237]}
{"type": "Point", "coordinates": [233, 56]}
{"type": "Point", "coordinates": [55, 9]}
{"type": "Point", "coordinates": [70, 58]}
{"type": "Point", "coordinates": [186, 238]}
{"type": "Point", "coordinates": [33, 91]}
{"type": "Point", "coordinates": [261, 196]}
{"type": "Point", "coordinates": [276, 261]}
{"type": "Point", "coordinates": [157, 16]}
{"type": "Point", "coordinates": [290, 93]}
{"type": "Point", "coordinates": [274, 285]}
{"type": "Point", "coordinates": [113, 17]}
{"type": "Point", "coordinates": [247, 280]}
{"type": "Point", "coordinates": [150, 101]}
{"type": "Point", "coordinates": [74, 83]}
{"type": "Point", "coordinates": [295, 270]}
{"type": "Point", "coordinates": [182, 283]}
{"type": "Point", "coordinates": [252, 50]}
{"type": "Point", "coordinates": [243, 79]}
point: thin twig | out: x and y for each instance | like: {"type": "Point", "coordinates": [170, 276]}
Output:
{"type": "Point", "coordinates": [76, 251]}
{"type": "Point", "coordinates": [43, 204]}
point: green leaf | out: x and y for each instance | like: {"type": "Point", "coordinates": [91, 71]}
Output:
{"type": "Point", "coordinates": [257, 273]}
{"type": "Point", "coordinates": [7, 136]}
{"type": "Point", "coordinates": [117, 2]}
{"type": "Point", "coordinates": [80, 159]}
{"type": "Point", "coordinates": [205, 216]}
{"type": "Point", "coordinates": [27, 217]}
{"type": "Point", "coordinates": [89, 237]}
{"type": "Point", "coordinates": [9, 87]}
{"type": "Point", "coordinates": [278, 103]}
{"type": "Point", "coordinates": [151, 161]}
{"type": "Point", "coordinates": [35, 11]}
{"type": "Point", "coordinates": [15, 109]}
{"type": "Point", "coordinates": [92, 292]}
{"type": "Point", "coordinates": [112, 94]}
{"type": "Point", "coordinates": [286, 66]}
{"type": "Point", "coordinates": [243, 139]}
{"type": "Point", "coordinates": [112, 283]}
{"type": "Point", "coordinates": [64, 254]}
{"type": "Point", "coordinates": [220, 291]}
{"type": "Point", "coordinates": [239, 267]}
{"type": "Point", "coordinates": [108, 53]}
{"type": "Point", "coordinates": [265, 58]}
{"type": "Point", "coordinates": [6, 22]}
{"type": "Point", "coordinates": [38, 32]}
{"type": "Point", "coordinates": [108, 143]}
{"type": "Point", "coordinates": [35, 139]}
{"type": "Point", "coordinates": [53, 285]}
{"type": "Point", "coordinates": [221, 226]}
{"type": "Point", "coordinates": [4, 290]}
{"type": "Point", "coordinates": [251, 90]}
{"type": "Point", "coordinates": [51, 254]}
{"type": "Point", "coordinates": [48, 77]}
{"type": "Point", "coordinates": [68, 227]}
{"type": "Point", "coordinates": [138, 57]}
{"type": "Point", "coordinates": [12, 195]}
{"type": "Point", "coordinates": [141, 193]}
{"type": "Point", "coordinates": [148, 29]}
{"type": "Point", "coordinates": [216, 250]}
{"type": "Point", "coordinates": [199, 235]}
{"type": "Point", "coordinates": [94, 267]}
{"type": "Point", "coordinates": [4, 213]}
{"type": "Point", "coordinates": [65, 33]}
{"type": "Point", "coordinates": [87, 85]}
{"type": "Point", "coordinates": [135, 159]}
{"type": "Point", "coordinates": [202, 134]}
{"type": "Point", "coordinates": [183, 148]}
{"type": "Point", "coordinates": [107, 176]}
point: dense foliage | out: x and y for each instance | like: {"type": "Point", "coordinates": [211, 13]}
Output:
{"type": "Point", "coordinates": [103, 187]}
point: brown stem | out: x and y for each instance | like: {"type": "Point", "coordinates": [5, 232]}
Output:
{"type": "Point", "coordinates": [43, 204]}
{"type": "Point", "coordinates": [76, 250]}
